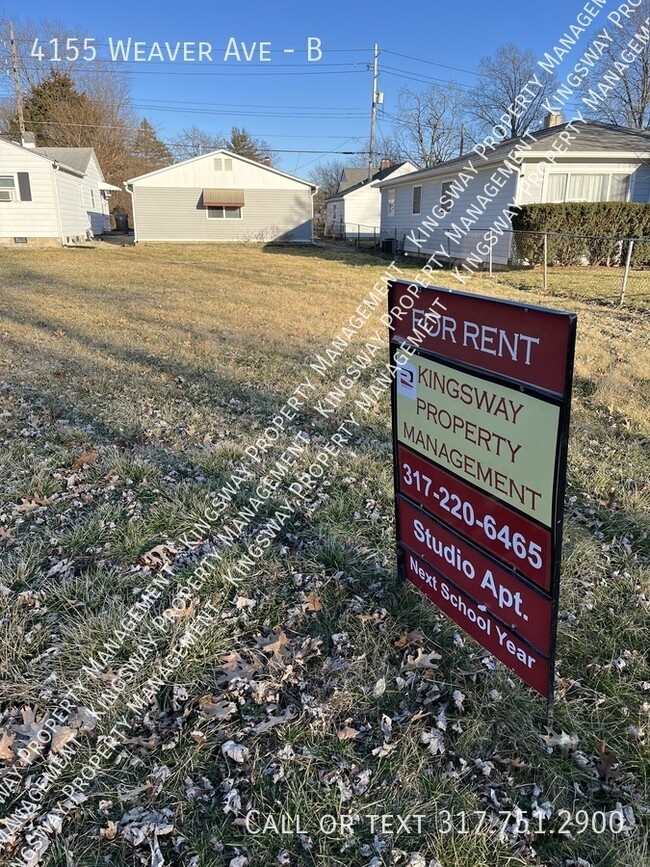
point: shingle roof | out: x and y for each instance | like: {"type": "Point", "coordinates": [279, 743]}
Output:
{"type": "Point", "coordinates": [379, 175]}
{"type": "Point", "coordinates": [593, 136]}
{"type": "Point", "coordinates": [352, 177]}
{"type": "Point", "coordinates": [75, 158]}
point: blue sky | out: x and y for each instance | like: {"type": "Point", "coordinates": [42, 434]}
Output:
{"type": "Point", "coordinates": [317, 106]}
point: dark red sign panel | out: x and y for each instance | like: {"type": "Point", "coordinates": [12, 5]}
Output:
{"type": "Point", "coordinates": [490, 585]}
{"type": "Point", "coordinates": [498, 529]}
{"type": "Point", "coordinates": [531, 666]}
{"type": "Point", "coordinates": [481, 552]}
{"type": "Point", "coordinates": [528, 344]}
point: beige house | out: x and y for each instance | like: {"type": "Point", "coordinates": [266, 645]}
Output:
{"type": "Point", "coordinates": [221, 196]}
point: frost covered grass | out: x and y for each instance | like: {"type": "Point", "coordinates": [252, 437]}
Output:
{"type": "Point", "coordinates": [133, 381]}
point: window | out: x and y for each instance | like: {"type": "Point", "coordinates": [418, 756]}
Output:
{"type": "Point", "coordinates": [24, 187]}
{"type": "Point", "coordinates": [92, 197]}
{"type": "Point", "coordinates": [619, 188]}
{"type": "Point", "coordinates": [218, 164]}
{"type": "Point", "coordinates": [417, 199]}
{"type": "Point", "coordinates": [391, 203]}
{"type": "Point", "coordinates": [446, 195]}
{"type": "Point", "coordinates": [585, 187]}
{"type": "Point", "coordinates": [227, 165]}
{"type": "Point", "coordinates": [223, 212]}
{"type": "Point", "coordinates": [556, 188]}
{"type": "Point", "coordinates": [7, 188]}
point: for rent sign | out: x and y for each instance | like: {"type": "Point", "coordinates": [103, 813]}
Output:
{"type": "Point", "coordinates": [480, 427]}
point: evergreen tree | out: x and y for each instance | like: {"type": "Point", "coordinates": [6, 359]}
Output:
{"type": "Point", "coordinates": [149, 149]}
{"type": "Point", "coordinates": [242, 142]}
{"type": "Point", "coordinates": [45, 103]}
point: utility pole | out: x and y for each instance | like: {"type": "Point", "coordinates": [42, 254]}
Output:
{"type": "Point", "coordinates": [14, 70]}
{"type": "Point", "coordinates": [373, 110]}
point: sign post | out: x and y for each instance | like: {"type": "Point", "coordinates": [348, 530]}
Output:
{"type": "Point", "coordinates": [480, 403]}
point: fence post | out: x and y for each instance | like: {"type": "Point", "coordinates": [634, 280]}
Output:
{"type": "Point", "coordinates": [358, 236]}
{"type": "Point", "coordinates": [490, 260]}
{"type": "Point", "coordinates": [545, 261]}
{"type": "Point", "coordinates": [626, 273]}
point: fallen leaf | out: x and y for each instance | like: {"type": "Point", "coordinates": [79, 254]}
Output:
{"type": "Point", "coordinates": [238, 752]}
{"type": "Point", "coordinates": [110, 831]}
{"type": "Point", "coordinates": [87, 458]}
{"type": "Point", "coordinates": [413, 636]}
{"type": "Point", "coordinates": [276, 647]}
{"type": "Point", "coordinates": [273, 721]}
{"type": "Point", "coordinates": [220, 710]}
{"type": "Point", "coordinates": [62, 735]}
{"type": "Point", "coordinates": [6, 741]}
{"type": "Point", "coordinates": [347, 734]}
{"type": "Point", "coordinates": [562, 740]}
{"type": "Point", "coordinates": [379, 688]}
{"type": "Point", "coordinates": [313, 602]}
{"type": "Point", "coordinates": [26, 505]}
{"type": "Point", "coordinates": [607, 764]}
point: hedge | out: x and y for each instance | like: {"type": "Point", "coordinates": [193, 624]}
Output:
{"type": "Point", "coordinates": [606, 223]}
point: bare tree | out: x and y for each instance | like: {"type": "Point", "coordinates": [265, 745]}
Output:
{"type": "Point", "coordinates": [427, 125]}
{"type": "Point", "coordinates": [192, 141]}
{"type": "Point", "coordinates": [628, 102]}
{"type": "Point", "coordinates": [503, 77]}
{"type": "Point", "coordinates": [327, 176]}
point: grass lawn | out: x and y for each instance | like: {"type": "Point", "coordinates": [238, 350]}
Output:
{"type": "Point", "coordinates": [133, 380]}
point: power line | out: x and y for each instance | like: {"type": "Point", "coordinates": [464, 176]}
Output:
{"type": "Point", "coordinates": [434, 63]}
{"type": "Point", "coordinates": [424, 79]}
{"type": "Point", "coordinates": [266, 73]}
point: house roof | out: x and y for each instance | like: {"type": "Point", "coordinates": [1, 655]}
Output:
{"type": "Point", "coordinates": [594, 138]}
{"type": "Point", "coordinates": [352, 177]}
{"type": "Point", "coordinates": [228, 154]}
{"type": "Point", "coordinates": [76, 159]}
{"type": "Point", "coordinates": [379, 175]}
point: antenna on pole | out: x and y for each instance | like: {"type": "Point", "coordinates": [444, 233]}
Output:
{"type": "Point", "coordinates": [373, 110]}
{"type": "Point", "coordinates": [14, 72]}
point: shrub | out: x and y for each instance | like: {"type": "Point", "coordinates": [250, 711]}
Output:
{"type": "Point", "coordinates": [600, 225]}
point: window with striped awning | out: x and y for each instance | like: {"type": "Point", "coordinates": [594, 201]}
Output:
{"type": "Point", "coordinates": [214, 198]}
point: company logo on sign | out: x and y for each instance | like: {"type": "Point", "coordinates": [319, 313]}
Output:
{"type": "Point", "coordinates": [406, 381]}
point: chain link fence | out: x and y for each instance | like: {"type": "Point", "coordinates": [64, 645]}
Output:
{"type": "Point", "coordinates": [593, 268]}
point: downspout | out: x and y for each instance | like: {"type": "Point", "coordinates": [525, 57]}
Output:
{"type": "Point", "coordinates": [130, 191]}
{"type": "Point", "coordinates": [55, 188]}
{"type": "Point", "coordinates": [313, 195]}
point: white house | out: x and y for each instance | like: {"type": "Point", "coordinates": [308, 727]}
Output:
{"type": "Point", "coordinates": [51, 194]}
{"type": "Point", "coordinates": [452, 208]}
{"type": "Point", "coordinates": [221, 196]}
{"type": "Point", "coordinates": [355, 210]}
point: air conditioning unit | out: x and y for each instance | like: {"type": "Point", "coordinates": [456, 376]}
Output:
{"type": "Point", "coordinates": [389, 247]}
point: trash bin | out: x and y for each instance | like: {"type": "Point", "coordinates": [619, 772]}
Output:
{"type": "Point", "coordinates": [389, 247]}
{"type": "Point", "coordinates": [121, 222]}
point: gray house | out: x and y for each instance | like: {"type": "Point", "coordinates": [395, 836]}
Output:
{"type": "Point", "coordinates": [221, 196]}
{"type": "Point", "coordinates": [461, 207]}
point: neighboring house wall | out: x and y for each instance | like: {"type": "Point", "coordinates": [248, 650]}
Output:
{"type": "Point", "coordinates": [75, 220]}
{"type": "Point", "coordinates": [418, 232]}
{"type": "Point", "coordinates": [95, 201]}
{"type": "Point", "coordinates": [28, 219]}
{"type": "Point", "coordinates": [168, 205]}
{"type": "Point", "coordinates": [359, 211]}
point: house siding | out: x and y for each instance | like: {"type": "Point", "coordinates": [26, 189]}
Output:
{"type": "Point", "coordinates": [177, 214]}
{"type": "Point", "coordinates": [641, 188]}
{"type": "Point", "coordinates": [37, 218]}
{"type": "Point", "coordinates": [97, 212]}
{"type": "Point", "coordinates": [75, 220]}
{"type": "Point", "coordinates": [429, 239]}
